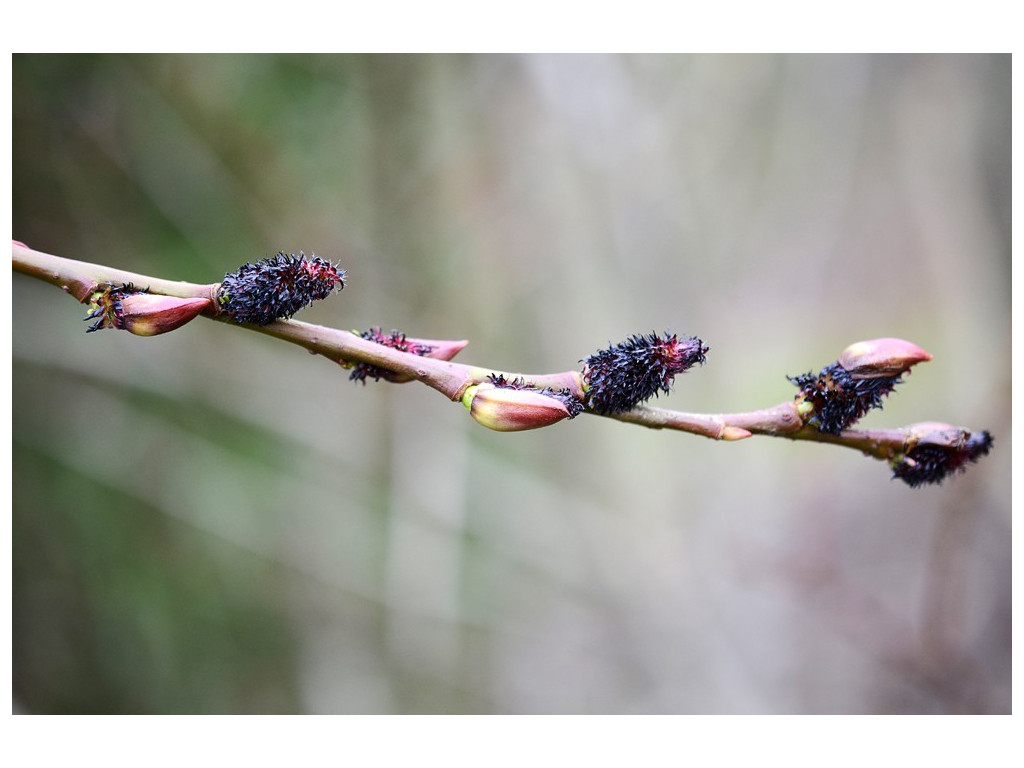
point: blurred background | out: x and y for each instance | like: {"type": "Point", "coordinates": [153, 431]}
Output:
{"type": "Point", "coordinates": [215, 521]}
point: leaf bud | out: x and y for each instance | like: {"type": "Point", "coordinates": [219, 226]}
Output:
{"type": "Point", "coordinates": [147, 314]}
{"type": "Point", "coordinates": [881, 358]}
{"type": "Point", "coordinates": [131, 309]}
{"type": "Point", "coordinates": [505, 409]}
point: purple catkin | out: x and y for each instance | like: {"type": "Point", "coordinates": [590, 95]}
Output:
{"type": "Point", "coordinates": [278, 287]}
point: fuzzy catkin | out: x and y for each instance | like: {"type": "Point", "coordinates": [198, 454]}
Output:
{"type": "Point", "coordinates": [277, 287]}
{"type": "Point", "coordinates": [626, 374]}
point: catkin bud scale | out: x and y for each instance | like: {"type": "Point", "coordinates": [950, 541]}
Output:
{"type": "Point", "coordinates": [512, 410]}
{"type": "Point", "coordinates": [147, 314]}
{"type": "Point", "coordinates": [882, 358]}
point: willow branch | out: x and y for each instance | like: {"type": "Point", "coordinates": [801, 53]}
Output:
{"type": "Point", "coordinates": [83, 280]}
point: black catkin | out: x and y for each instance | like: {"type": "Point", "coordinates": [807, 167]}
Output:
{"type": "Point", "coordinates": [626, 374]}
{"type": "Point", "coordinates": [277, 287]}
{"type": "Point", "coordinates": [839, 399]}
{"type": "Point", "coordinates": [931, 464]}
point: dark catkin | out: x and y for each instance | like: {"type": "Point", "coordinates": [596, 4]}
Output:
{"type": "Point", "coordinates": [626, 374]}
{"type": "Point", "coordinates": [564, 396]}
{"type": "Point", "coordinates": [394, 340]}
{"type": "Point", "coordinates": [931, 464]}
{"type": "Point", "coordinates": [277, 287]}
{"type": "Point", "coordinates": [839, 399]}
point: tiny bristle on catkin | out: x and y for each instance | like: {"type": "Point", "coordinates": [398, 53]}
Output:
{"type": "Point", "coordinates": [277, 287]}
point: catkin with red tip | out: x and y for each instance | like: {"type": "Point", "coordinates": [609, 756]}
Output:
{"type": "Point", "coordinates": [278, 287]}
{"type": "Point", "coordinates": [624, 375]}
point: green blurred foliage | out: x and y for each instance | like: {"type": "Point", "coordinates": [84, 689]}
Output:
{"type": "Point", "coordinates": [212, 521]}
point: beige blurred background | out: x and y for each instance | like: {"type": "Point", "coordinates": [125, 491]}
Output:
{"type": "Point", "coordinates": [214, 521]}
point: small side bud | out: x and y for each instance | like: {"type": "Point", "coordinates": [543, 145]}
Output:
{"type": "Point", "coordinates": [882, 358]}
{"type": "Point", "coordinates": [128, 308]}
{"type": "Point", "coordinates": [936, 451]}
{"type": "Point", "coordinates": [146, 314]}
{"type": "Point", "coordinates": [439, 349]}
{"type": "Point", "coordinates": [513, 410]}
